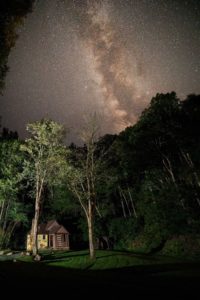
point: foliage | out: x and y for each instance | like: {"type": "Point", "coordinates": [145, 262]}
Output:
{"type": "Point", "coordinates": [12, 13]}
{"type": "Point", "coordinates": [157, 159]}
{"type": "Point", "coordinates": [122, 232]}
{"type": "Point", "coordinates": [12, 212]}
{"type": "Point", "coordinates": [45, 152]}
{"type": "Point", "coordinates": [182, 246]}
{"type": "Point", "coordinates": [45, 163]}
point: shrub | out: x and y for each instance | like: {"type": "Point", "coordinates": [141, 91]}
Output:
{"type": "Point", "coordinates": [183, 245]}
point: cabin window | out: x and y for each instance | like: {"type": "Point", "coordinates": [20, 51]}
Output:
{"type": "Point", "coordinates": [44, 236]}
{"type": "Point", "coordinates": [64, 238]}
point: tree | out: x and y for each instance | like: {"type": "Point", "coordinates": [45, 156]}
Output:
{"type": "Point", "coordinates": [12, 211]}
{"type": "Point", "coordinates": [82, 176]}
{"type": "Point", "coordinates": [158, 159]}
{"type": "Point", "coordinates": [45, 159]}
{"type": "Point", "coordinates": [12, 13]}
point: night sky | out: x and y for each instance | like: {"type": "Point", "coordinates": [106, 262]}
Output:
{"type": "Point", "coordinates": [112, 57]}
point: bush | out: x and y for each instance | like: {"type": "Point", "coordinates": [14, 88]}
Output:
{"type": "Point", "coordinates": [183, 245]}
{"type": "Point", "coordinates": [123, 231]}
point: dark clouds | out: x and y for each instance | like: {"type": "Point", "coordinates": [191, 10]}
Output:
{"type": "Point", "coordinates": [74, 57]}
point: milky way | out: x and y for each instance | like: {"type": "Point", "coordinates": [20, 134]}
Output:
{"type": "Point", "coordinates": [118, 82]}
{"type": "Point", "coordinates": [76, 57]}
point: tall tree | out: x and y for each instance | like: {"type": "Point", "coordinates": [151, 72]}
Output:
{"type": "Point", "coordinates": [45, 159]}
{"type": "Point", "coordinates": [81, 178]}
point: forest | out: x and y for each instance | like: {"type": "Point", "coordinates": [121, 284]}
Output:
{"type": "Point", "coordinates": [138, 190]}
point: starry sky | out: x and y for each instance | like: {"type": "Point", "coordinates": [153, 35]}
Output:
{"type": "Point", "coordinates": [76, 57]}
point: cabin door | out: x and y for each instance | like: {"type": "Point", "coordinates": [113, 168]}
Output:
{"type": "Point", "coordinates": [51, 241]}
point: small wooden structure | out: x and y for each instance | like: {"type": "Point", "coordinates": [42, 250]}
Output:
{"type": "Point", "coordinates": [50, 236]}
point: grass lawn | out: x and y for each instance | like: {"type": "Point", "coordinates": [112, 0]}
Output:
{"type": "Point", "coordinates": [111, 270]}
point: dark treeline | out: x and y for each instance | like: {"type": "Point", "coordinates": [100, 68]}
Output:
{"type": "Point", "coordinates": [12, 13]}
{"type": "Point", "coordinates": [147, 185]}
{"type": "Point", "coordinates": [154, 169]}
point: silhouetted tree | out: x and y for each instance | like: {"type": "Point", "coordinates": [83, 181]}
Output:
{"type": "Point", "coordinates": [82, 177]}
{"type": "Point", "coordinates": [12, 13]}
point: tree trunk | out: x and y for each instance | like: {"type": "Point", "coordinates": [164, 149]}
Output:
{"type": "Point", "coordinates": [122, 203]}
{"type": "Point", "coordinates": [132, 203]}
{"type": "Point", "coordinates": [91, 232]}
{"type": "Point", "coordinates": [39, 188]}
{"type": "Point", "coordinates": [35, 227]}
{"type": "Point", "coordinates": [5, 216]}
{"type": "Point", "coordinates": [2, 211]}
{"type": "Point", "coordinates": [9, 233]}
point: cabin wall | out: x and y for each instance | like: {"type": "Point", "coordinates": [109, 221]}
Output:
{"type": "Point", "coordinates": [42, 240]}
{"type": "Point", "coordinates": [61, 242]}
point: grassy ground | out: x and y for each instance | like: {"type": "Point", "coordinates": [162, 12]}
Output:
{"type": "Point", "coordinates": [118, 272]}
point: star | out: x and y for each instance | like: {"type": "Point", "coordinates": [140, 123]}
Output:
{"type": "Point", "coordinates": [110, 56]}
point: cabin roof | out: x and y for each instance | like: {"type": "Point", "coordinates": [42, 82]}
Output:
{"type": "Point", "coordinates": [51, 227]}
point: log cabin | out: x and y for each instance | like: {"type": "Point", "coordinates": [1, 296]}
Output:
{"type": "Point", "coordinates": [50, 236]}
